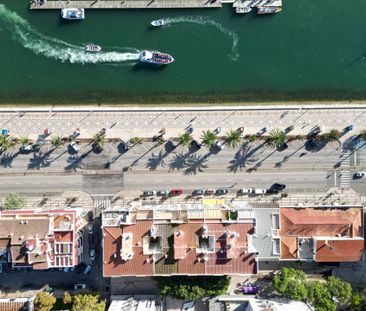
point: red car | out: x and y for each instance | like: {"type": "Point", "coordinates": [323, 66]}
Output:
{"type": "Point", "coordinates": [175, 192]}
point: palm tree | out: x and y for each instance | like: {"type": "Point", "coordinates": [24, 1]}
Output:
{"type": "Point", "coordinates": [332, 135]}
{"type": "Point", "coordinates": [276, 138]}
{"type": "Point", "coordinates": [24, 140]}
{"type": "Point", "coordinates": [56, 141]}
{"type": "Point", "coordinates": [184, 139]}
{"type": "Point", "coordinates": [5, 142]}
{"type": "Point", "coordinates": [233, 138]}
{"type": "Point", "coordinates": [208, 138]}
{"type": "Point", "coordinates": [99, 140]}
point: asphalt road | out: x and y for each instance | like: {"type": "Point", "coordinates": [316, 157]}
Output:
{"type": "Point", "coordinates": [109, 184]}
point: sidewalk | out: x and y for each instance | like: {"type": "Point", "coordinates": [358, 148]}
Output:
{"type": "Point", "coordinates": [147, 123]}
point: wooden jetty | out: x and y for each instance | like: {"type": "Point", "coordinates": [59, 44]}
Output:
{"type": "Point", "coordinates": [125, 4]}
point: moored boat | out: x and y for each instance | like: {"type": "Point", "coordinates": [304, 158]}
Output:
{"type": "Point", "coordinates": [93, 48]}
{"type": "Point", "coordinates": [72, 13]}
{"type": "Point", "coordinates": [269, 10]}
{"type": "Point", "coordinates": [155, 58]}
{"type": "Point", "coordinates": [158, 23]}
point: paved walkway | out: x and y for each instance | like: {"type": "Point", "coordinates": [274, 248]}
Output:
{"type": "Point", "coordinates": [148, 122]}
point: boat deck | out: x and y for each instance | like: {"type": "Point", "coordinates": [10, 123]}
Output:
{"type": "Point", "coordinates": [125, 4]}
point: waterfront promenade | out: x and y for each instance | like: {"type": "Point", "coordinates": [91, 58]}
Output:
{"type": "Point", "coordinates": [126, 4]}
{"type": "Point", "coordinates": [126, 122]}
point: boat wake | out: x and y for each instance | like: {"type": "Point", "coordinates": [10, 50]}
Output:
{"type": "Point", "coordinates": [201, 20]}
{"type": "Point", "coordinates": [54, 48]}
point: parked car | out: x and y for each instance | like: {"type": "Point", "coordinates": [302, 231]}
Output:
{"type": "Point", "coordinates": [195, 145]}
{"type": "Point", "coordinates": [276, 188]}
{"type": "Point", "coordinates": [359, 174]}
{"type": "Point", "coordinates": [80, 267]}
{"type": "Point", "coordinates": [243, 191]}
{"type": "Point", "coordinates": [66, 269]}
{"type": "Point", "coordinates": [313, 133]}
{"type": "Point", "coordinates": [260, 191]}
{"type": "Point", "coordinates": [124, 146]}
{"type": "Point", "coordinates": [90, 228]}
{"type": "Point", "coordinates": [90, 216]}
{"type": "Point", "coordinates": [80, 286]}
{"type": "Point", "coordinates": [92, 254]}
{"type": "Point", "coordinates": [26, 148]}
{"type": "Point", "coordinates": [87, 269]}
{"type": "Point", "coordinates": [198, 192]}
{"type": "Point", "coordinates": [221, 191]}
{"type": "Point", "coordinates": [149, 193]}
{"type": "Point", "coordinates": [163, 193]}
{"type": "Point", "coordinates": [210, 192]}
{"type": "Point", "coordinates": [74, 146]}
{"type": "Point", "coordinates": [175, 192]}
{"type": "Point", "coordinates": [219, 144]}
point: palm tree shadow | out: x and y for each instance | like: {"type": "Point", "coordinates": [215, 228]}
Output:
{"type": "Point", "coordinates": [196, 164]}
{"type": "Point", "coordinates": [76, 162]}
{"type": "Point", "coordinates": [286, 158]}
{"type": "Point", "coordinates": [7, 159]}
{"type": "Point", "coordinates": [40, 159]}
{"type": "Point", "coordinates": [179, 162]}
{"type": "Point", "coordinates": [156, 160]}
{"type": "Point", "coordinates": [242, 158]}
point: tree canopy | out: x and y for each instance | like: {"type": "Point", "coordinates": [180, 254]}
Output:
{"type": "Point", "coordinates": [328, 295]}
{"type": "Point", "coordinates": [193, 288]}
{"type": "Point", "coordinates": [44, 301]}
{"type": "Point", "coordinates": [87, 302]}
{"type": "Point", "coordinates": [291, 283]}
{"type": "Point", "coordinates": [13, 201]}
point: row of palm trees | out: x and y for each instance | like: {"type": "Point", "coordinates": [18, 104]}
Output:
{"type": "Point", "coordinates": [276, 138]}
{"type": "Point", "coordinates": [232, 138]}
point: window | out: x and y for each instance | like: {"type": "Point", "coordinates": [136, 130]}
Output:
{"type": "Point", "coordinates": [276, 246]}
{"type": "Point", "coordinates": [275, 221]}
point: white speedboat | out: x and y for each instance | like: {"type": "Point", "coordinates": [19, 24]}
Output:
{"type": "Point", "coordinates": [93, 48]}
{"type": "Point", "coordinates": [155, 58]}
{"type": "Point", "coordinates": [242, 10]}
{"type": "Point", "coordinates": [73, 13]}
{"type": "Point", "coordinates": [158, 23]}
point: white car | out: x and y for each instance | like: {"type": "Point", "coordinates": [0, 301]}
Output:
{"type": "Point", "coordinates": [260, 191]}
{"type": "Point", "coordinates": [246, 190]}
{"type": "Point", "coordinates": [27, 148]}
{"type": "Point", "coordinates": [80, 286]}
{"type": "Point", "coordinates": [219, 144]}
{"type": "Point", "coordinates": [75, 146]}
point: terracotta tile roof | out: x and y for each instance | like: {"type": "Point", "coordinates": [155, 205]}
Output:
{"type": "Point", "coordinates": [18, 254]}
{"type": "Point", "coordinates": [8, 305]}
{"type": "Point", "coordinates": [315, 223]}
{"type": "Point", "coordinates": [178, 253]}
{"type": "Point", "coordinates": [19, 231]}
{"type": "Point", "coordinates": [340, 250]}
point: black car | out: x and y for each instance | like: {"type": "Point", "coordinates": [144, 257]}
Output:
{"type": "Point", "coordinates": [221, 191]}
{"type": "Point", "coordinates": [276, 188]}
{"type": "Point", "coordinates": [195, 145]}
{"type": "Point", "coordinates": [313, 133]}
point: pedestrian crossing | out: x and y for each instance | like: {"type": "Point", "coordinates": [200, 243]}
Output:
{"type": "Point", "coordinates": [345, 169]}
{"type": "Point", "coordinates": [102, 204]}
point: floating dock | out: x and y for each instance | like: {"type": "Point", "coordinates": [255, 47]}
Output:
{"type": "Point", "coordinates": [125, 4]}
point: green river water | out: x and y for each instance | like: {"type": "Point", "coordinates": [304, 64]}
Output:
{"type": "Point", "coordinates": [313, 49]}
